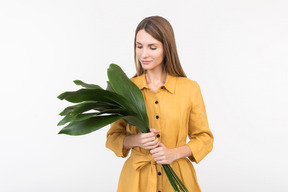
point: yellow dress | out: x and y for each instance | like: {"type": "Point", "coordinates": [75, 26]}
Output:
{"type": "Point", "coordinates": [177, 110]}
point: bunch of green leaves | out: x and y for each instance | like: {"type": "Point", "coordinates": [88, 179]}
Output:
{"type": "Point", "coordinates": [95, 107]}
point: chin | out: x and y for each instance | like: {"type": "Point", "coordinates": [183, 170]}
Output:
{"type": "Point", "coordinates": [149, 67]}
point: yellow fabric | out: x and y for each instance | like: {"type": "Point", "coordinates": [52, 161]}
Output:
{"type": "Point", "coordinates": [181, 113]}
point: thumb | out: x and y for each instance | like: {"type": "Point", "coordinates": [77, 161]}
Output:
{"type": "Point", "coordinates": [162, 145]}
{"type": "Point", "coordinates": [154, 130]}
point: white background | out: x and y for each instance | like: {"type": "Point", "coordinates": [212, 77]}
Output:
{"type": "Point", "coordinates": [236, 50]}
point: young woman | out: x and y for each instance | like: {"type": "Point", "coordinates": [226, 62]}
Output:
{"type": "Point", "coordinates": [175, 109]}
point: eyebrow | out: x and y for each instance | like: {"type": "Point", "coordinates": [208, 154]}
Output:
{"type": "Point", "coordinates": [155, 44]}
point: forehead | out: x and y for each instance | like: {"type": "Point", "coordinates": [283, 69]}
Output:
{"type": "Point", "coordinates": [145, 38]}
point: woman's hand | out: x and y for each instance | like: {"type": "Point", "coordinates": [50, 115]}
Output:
{"type": "Point", "coordinates": [143, 140]}
{"type": "Point", "coordinates": [163, 155]}
{"type": "Point", "coordinates": [148, 140]}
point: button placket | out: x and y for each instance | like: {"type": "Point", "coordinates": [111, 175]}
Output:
{"type": "Point", "coordinates": [157, 109]}
{"type": "Point", "coordinates": [157, 103]}
{"type": "Point", "coordinates": [157, 114]}
{"type": "Point", "coordinates": [159, 178]}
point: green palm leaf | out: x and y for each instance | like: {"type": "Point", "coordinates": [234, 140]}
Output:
{"type": "Point", "coordinates": [98, 95]}
{"type": "Point", "coordinates": [125, 87]}
{"type": "Point", "coordinates": [67, 110]}
{"type": "Point", "coordinates": [86, 106]}
{"type": "Point", "coordinates": [134, 120]}
{"type": "Point", "coordinates": [66, 119]}
{"type": "Point", "coordinates": [88, 125]}
{"type": "Point", "coordinates": [88, 86]}
{"type": "Point", "coordinates": [109, 87]}
{"type": "Point", "coordinates": [72, 118]}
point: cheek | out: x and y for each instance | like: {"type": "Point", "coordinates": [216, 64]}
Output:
{"type": "Point", "coordinates": [138, 53]}
{"type": "Point", "coordinates": [159, 56]}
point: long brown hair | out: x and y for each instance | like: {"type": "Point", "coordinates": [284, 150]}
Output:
{"type": "Point", "coordinates": [160, 29]}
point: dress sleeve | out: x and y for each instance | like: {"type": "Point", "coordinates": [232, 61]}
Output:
{"type": "Point", "coordinates": [201, 138]}
{"type": "Point", "coordinates": [115, 138]}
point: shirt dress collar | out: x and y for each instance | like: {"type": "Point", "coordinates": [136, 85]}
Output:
{"type": "Point", "coordinates": [169, 84]}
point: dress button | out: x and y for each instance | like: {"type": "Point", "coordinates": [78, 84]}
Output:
{"type": "Point", "coordinates": [156, 102]}
{"type": "Point", "coordinates": [159, 173]}
{"type": "Point", "coordinates": [157, 117]}
{"type": "Point", "coordinates": [157, 135]}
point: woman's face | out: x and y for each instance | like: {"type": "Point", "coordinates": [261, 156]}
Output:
{"type": "Point", "coordinates": [149, 51]}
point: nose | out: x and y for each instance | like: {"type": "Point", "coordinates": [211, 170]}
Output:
{"type": "Point", "coordinates": [145, 53]}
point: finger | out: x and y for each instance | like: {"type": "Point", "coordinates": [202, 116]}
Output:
{"type": "Point", "coordinates": [163, 162]}
{"type": "Point", "coordinates": [152, 144]}
{"type": "Point", "coordinates": [156, 156]}
{"type": "Point", "coordinates": [159, 157]}
{"type": "Point", "coordinates": [154, 130]}
{"type": "Point", "coordinates": [157, 144]}
{"type": "Point", "coordinates": [151, 147]}
{"type": "Point", "coordinates": [156, 150]}
{"type": "Point", "coordinates": [147, 135]}
{"type": "Point", "coordinates": [162, 146]}
{"type": "Point", "coordinates": [148, 139]}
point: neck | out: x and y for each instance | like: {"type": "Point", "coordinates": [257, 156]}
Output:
{"type": "Point", "coordinates": [156, 76]}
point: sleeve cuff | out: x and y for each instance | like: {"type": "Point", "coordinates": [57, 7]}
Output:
{"type": "Point", "coordinates": [197, 155]}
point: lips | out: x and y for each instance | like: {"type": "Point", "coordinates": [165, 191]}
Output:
{"type": "Point", "coordinates": [145, 62]}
